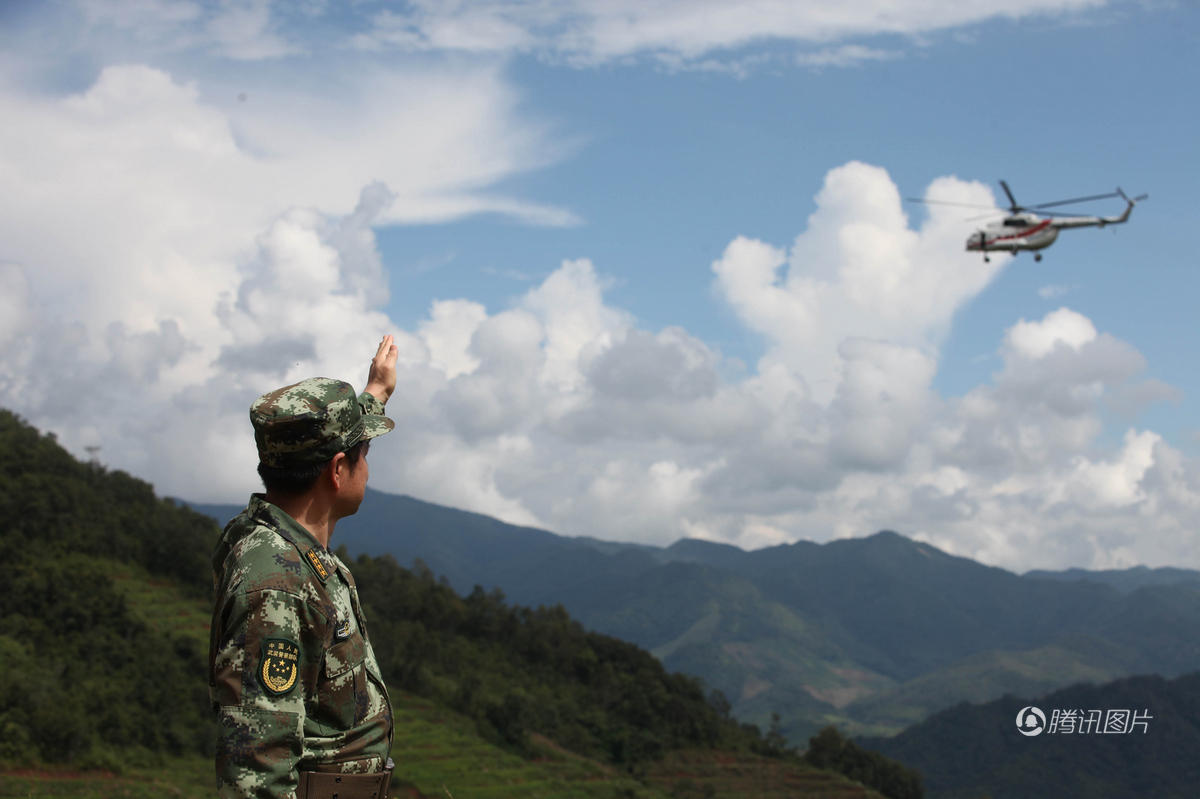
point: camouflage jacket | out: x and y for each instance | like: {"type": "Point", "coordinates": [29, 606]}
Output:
{"type": "Point", "coordinates": [294, 681]}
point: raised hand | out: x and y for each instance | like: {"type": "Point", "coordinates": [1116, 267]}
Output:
{"type": "Point", "coordinates": [381, 379]}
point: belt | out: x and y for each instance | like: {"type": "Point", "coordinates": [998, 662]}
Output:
{"type": "Point", "coordinates": [317, 785]}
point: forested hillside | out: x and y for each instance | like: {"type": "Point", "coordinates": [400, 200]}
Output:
{"type": "Point", "coordinates": [85, 682]}
{"type": "Point", "coordinates": [104, 648]}
{"type": "Point", "coordinates": [1136, 737]}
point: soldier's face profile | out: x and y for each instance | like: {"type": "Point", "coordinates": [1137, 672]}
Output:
{"type": "Point", "coordinates": [355, 487]}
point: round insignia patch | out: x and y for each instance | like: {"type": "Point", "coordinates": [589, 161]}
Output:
{"type": "Point", "coordinates": [280, 665]}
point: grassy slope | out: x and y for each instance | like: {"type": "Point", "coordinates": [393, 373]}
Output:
{"type": "Point", "coordinates": [161, 605]}
{"type": "Point", "coordinates": [438, 752]}
{"type": "Point", "coordinates": [185, 778]}
{"type": "Point", "coordinates": [716, 775]}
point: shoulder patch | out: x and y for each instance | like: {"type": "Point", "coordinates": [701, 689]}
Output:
{"type": "Point", "coordinates": [315, 560]}
{"type": "Point", "coordinates": [280, 665]}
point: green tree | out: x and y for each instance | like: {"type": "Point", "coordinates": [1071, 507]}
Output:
{"type": "Point", "coordinates": [829, 750]}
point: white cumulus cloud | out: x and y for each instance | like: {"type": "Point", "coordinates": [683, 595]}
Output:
{"type": "Point", "coordinates": [858, 271]}
{"type": "Point", "coordinates": [679, 33]}
{"type": "Point", "coordinates": [179, 238]}
{"type": "Point", "coordinates": [1063, 327]}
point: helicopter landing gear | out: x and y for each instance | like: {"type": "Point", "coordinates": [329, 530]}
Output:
{"type": "Point", "coordinates": [987, 260]}
{"type": "Point", "coordinates": [1037, 256]}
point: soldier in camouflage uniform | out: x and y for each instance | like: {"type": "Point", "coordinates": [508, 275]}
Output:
{"type": "Point", "coordinates": [301, 705]}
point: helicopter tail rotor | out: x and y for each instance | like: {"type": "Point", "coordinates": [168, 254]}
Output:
{"type": "Point", "coordinates": [1134, 200]}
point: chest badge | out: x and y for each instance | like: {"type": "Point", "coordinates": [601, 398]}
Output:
{"type": "Point", "coordinates": [343, 631]}
{"type": "Point", "coordinates": [279, 667]}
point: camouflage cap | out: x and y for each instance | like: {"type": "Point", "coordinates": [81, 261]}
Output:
{"type": "Point", "coordinates": [311, 421]}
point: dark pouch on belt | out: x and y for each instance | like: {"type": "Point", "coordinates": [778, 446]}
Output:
{"type": "Point", "coordinates": [315, 785]}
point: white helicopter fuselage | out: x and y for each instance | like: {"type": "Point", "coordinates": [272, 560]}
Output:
{"type": "Point", "coordinates": [1017, 232]}
{"type": "Point", "coordinates": [1029, 231]}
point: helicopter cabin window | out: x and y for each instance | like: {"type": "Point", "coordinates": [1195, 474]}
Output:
{"type": "Point", "coordinates": [1016, 222]}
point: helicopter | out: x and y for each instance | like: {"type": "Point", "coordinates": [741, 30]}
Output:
{"type": "Point", "coordinates": [1023, 229]}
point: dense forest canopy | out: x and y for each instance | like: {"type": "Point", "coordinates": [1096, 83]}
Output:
{"type": "Point", "coordinates": [85, 679]}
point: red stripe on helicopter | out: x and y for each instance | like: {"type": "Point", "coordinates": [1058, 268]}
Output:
{"type": "Point", "coordinates": [1045, 223]}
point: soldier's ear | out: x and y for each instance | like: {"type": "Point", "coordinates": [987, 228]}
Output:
{"type": "Point", "coordinates": [338, 470]}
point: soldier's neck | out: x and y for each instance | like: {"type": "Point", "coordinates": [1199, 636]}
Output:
{"type": "Point", "coordinates": [310, 512]}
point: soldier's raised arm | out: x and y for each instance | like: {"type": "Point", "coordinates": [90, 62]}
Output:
{"type": "Point", "coordinates": [381, 378]}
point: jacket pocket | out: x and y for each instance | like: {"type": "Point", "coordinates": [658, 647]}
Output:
{"type": "Point", "coordinates": [342, 694]}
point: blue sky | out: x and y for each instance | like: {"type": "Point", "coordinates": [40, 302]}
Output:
{"type": "Point", "coordinates": [648, 263]}
{"type": "Point", "coordinates": [672, 165]}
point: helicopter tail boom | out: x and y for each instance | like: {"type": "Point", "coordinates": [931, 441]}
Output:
{"type": "Point", "coordinates": [1101, 221]}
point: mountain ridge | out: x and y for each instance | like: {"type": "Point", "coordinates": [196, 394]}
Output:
{"type": "Point", "coordinates": [872, 633]}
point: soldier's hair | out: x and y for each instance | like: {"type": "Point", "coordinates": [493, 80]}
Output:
{"type": "Point", "coordinates": [295, 480]}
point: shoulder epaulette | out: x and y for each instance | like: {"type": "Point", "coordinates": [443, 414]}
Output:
{"type": "Point", "coordinates": [314, 560]}
{"type": "Point", "coordinates": [311, 556]}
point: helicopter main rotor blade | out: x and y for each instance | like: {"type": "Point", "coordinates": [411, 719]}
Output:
{"type": "Point", "coordinates": [1012, 200]}
{"type": "Point", "coordinates": [1078, 200]}
{"type": "Point", "coordinates": [1041, 214]}
{"type": "Point", "coordinates": [946, 202]}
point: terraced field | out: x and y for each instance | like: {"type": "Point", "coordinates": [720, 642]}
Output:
{"type": "Point", "coordinates": [439, 754]}
{"type": "Point", "coordinates": [704, 774]}
{"type": "Point", "coordinates": [177, 779]}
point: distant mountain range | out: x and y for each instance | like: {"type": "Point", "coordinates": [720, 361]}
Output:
{"type": "Point", "coordinates": [873, 634]}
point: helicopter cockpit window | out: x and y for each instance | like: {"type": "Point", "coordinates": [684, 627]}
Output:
{"type": "Point", "coordinates": [1016, 222]}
